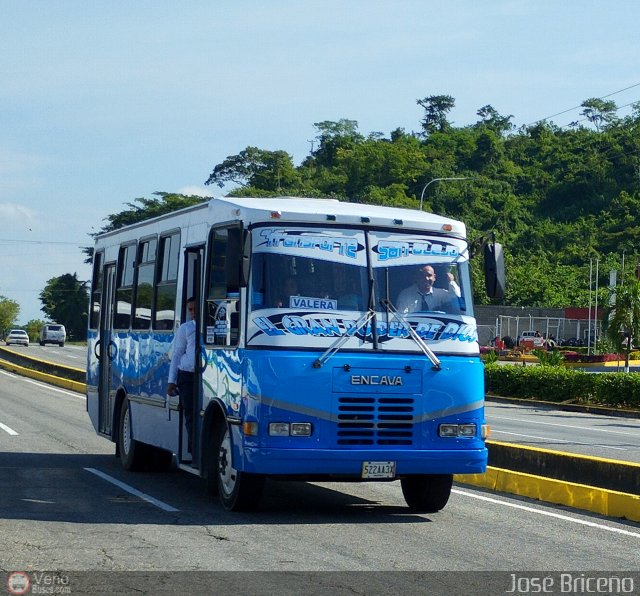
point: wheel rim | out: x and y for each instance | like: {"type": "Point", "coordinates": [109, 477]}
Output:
{"type": "Point", "coordinates": [126, 432]}
{"type": "Point", "coordinates": [226, 473]}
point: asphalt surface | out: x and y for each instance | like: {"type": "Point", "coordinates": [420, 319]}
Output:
{"type": "Point", "coordinates": [57, 513]}
{"type": "Point", "coordinates": [595, 435]}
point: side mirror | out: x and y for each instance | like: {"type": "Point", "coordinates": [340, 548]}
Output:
{"type": "Point", "coordinates": [494, 277]}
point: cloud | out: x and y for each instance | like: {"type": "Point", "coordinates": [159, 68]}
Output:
{"type": "Point", "coordinates": [196, 191]}
{"type": "Point", "coordinates": [13, 213]}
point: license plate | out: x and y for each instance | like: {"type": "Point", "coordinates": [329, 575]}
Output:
{"type": "Point", "coordinates": [378, 469]}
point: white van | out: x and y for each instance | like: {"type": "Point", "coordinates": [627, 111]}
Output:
{"type": "Point", "coordinates": [53, 333]}
{"type": "Point", "coordinates": [533, 337]}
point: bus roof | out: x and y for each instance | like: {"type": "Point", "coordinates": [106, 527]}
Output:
{"type": "Point", "coordinates": [252, 210]}
{"type": "Point", "coordinates": [294, 209]}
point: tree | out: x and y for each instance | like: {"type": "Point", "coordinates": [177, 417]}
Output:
{"type": "Point", "coordinates": [334, 137]}
{"type": "Point", "coordinates": [33, 328]}
{"type": "Point", "coordinates": [144, 209]}
{"type": "Point", "coordinates": [436, 108]}
{"type": "Point", "coordinates": [9, 311]}
{"type": "Point", "coordinates": [65, 300]}
{"type": "Point", "coordinates": [621, 322]}
{"type": "Point", "coordinates": [268, 170]}
{"type": "Point", "coordinates": [148, 208]}
{"type": "Point", "coordinates": [599, 112]}
{"type": "Point", "coordinates": [490, 118]}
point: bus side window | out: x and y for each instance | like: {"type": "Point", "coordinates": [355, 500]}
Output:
{"type": "Point", "coordinates": [124, 290]}
{"type": "Point", "coordinates": [167, 283]}
{"type": "Point", "coordinates": [223, 320]}
{"type": "Point", "coordinates": [145, 270]}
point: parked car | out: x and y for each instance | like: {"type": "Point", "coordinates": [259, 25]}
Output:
{"type": "Point", "coordinates": [17, 336]}
{"type": "Point", "coordinates": [53, 333]}
{"type": "Point", "coordinates": [533, 337]}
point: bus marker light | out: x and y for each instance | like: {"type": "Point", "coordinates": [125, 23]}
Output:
{"type": "Point", "coordinates": [485, 429]}
{"type": "Point", "coordinates": [250, 429]}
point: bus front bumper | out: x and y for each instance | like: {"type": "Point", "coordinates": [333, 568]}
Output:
{"type": "Point", "coordinates": [334, 462]}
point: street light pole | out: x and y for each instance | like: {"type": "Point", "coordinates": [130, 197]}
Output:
{"type": "Point", "coordinates": [438, 180]}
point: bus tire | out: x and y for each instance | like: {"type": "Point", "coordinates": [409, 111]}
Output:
{"type": "Point", "coordinates": [132, 452]}
{"type": "Point", "coordinates": [238, 491]}
{"type": "Point", "coordinates": [427, 493]}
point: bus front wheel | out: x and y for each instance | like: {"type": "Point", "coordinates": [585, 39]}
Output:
{"type": "Point", "coordinates": [238, 490]}
{"type": "Point", "coordinates": [131, 451]}
{"type": "Point", "coordinates": [427, 493]}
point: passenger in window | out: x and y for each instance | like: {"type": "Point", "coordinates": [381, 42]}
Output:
{"type": "Point", "coordinates": [454, 288]}
{"type": "Point", "coordinates": [289, 288]}
{"type": "Point", "coordinates": [422, 296]}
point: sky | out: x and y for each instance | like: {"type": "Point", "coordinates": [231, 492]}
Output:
{"type": "Point", "coordinates": [105, 102]}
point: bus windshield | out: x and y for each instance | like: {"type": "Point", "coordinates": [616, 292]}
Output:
{"type": "Point", "coordinates": [310, 284]}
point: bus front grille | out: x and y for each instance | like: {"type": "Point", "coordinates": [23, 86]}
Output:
{"type": "Point", "coordinates": [375, 420]}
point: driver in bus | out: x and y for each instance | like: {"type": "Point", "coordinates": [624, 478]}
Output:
{"type": "Point", "coordinates": [422, 296]}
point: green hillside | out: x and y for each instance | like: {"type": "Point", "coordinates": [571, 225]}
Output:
{"type": "Point", "coordinates": [558, 198]}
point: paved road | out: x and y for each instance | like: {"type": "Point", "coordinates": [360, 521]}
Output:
{"type": "Point", "coordinates": [69, 355]}
{"type": "Point", "coordinates": [611, 437]}
{"type": "Point", "coordinates": [61, 509]}
{"type": "Point", "coordinates": [533, 425]}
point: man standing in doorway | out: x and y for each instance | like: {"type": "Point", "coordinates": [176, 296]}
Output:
{"type": "Point", "coordinates": [181, 370]}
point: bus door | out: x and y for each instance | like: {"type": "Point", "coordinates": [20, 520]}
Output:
{"type": "Point", "coordinates": [106, 351]}
{"type": "Point", "coordinates": [192, 287]}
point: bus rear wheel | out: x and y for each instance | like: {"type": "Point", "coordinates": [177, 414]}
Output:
{"type": "Point", "coordinates": [132, 452]}
{"type": "Point", "coordinates": [238, 490]}
{"type": "Point", "coordinates": [427, 493]}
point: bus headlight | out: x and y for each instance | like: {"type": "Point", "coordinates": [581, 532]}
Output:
{"type": "Point", "coordinates": [300, 429]}
{"type": "Point", "coordinates": [279, 429]}
{"type": "Point", "coordinates": [448, 430]}
{"type": "Point", "coordinates": [286, 429]}
{"type": "Point", "coordinates": [467, 430]}
{"type": "Point", "coordinates": [457, 430]}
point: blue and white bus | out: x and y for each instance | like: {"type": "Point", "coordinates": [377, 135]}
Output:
{"type": "Point", "coordinates": [334, 379]}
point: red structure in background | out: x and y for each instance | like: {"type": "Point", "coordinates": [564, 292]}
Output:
{"type": "Point", "coordinates": [582, 314]}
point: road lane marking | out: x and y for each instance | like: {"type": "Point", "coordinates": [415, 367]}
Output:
{"type": "Point", "coordinates": [554, 440]}
{"type": "Point", "coordinates": [131, 490]}
{"type": "Point", "coordinates": [8, 429]}
{"type": "Point", "coordinates": [582, 428]}
{"type": "Point", "coordinates": [45, 385]}
{"type": "Point", "coordinates": [574, 520]}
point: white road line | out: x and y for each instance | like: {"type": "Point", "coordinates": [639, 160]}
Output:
{"type": "Point", "coordinates": [574, 520]}
{"type": "Point", "coordinates": [8, 429]}
{"type": "Point", "coordinates": [131, 490]}
{"type": "Point", "coordinates": [45, 385]}
{"type": "Point", "coordinates": [582, 428]}
{"type": "Point", "coordinates": [554, 440]}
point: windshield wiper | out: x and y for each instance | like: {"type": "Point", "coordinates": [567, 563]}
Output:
{"type": "Point", "coordinates": [428, 352]}
{"type": "Point", "coordinates": [336, 345]}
